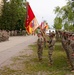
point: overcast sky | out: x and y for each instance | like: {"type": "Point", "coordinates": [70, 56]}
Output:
{"type": "Point", "coordinates": [43, 9]}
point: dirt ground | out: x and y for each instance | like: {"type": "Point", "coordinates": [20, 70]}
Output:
{"type": "Point", "coordinates": [14, 47]}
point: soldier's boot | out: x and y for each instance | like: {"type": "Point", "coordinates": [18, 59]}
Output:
{"type": "Point", "coordinates": [40, 59]}
{"type": "Point", "coordinates": [72, 66]}
{"type": "Point", "coordinates": [50, 63]}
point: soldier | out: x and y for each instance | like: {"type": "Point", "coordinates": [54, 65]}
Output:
{"type": "Point", "coordinates": [3, 35]}
{"type": "Point", "coordinates": [40, 42]}
{"type": "Point", "coordinates": [65, 44]}
{"type": "Point", "coordinates": [51, 43]}
{"type": "Point", "coordinates": [0, 35]}
{"type": "Point", "coordinates": [71, 52]}
{"type": "Point", "coordinates": [7, 35]}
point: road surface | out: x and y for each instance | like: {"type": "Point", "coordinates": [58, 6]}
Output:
{"type": "Point", "coordinates": [14, 45]}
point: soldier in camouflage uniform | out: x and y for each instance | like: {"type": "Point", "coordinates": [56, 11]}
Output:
{"type": "Point", "coordinates": [65, 43]}
{"type": "Point", "coordinates": [0, 35]}
{"type": "Point", "coordinates": [40, 43]}
{"type": "Point", "coordinates": [71, 52]}
{"type": "Point", "coordinates": [51, 45]}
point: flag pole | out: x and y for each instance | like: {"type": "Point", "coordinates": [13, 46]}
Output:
{"type": "Point", "coordinates": [43, 32]}
{"type": "Point", "coordinates": [26, 12]}
{"type": "Point", "coordinates": [26, 4]}
{"type": "Point", "coordinates": [44, 36]}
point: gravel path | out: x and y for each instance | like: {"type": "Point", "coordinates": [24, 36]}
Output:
{"type": "Point", "coordinates": [10, 48]}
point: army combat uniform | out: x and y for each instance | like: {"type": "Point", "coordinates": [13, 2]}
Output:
{"type": "Point", "coordinates": [51, 48]}
{"type": "Point", "coordinates": [40, 42]}
{"type": "Point", "coordinates": [71, 53]}
{"type": "Point", "coordinates": [0, 35]}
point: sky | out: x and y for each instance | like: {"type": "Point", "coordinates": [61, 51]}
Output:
{"type": "Point", "coordinates": [44, 9]}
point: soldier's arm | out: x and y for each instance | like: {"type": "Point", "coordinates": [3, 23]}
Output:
{"type": "Point", "coordinates": [37, 41]}
{"type": "Point", "coordinates": [52, 43]}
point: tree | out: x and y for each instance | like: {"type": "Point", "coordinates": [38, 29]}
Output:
{"type": "Point", "coordinates": [66, 14]}
{"type": "Point", "coordinates": [12, 12]}
{"type": "Point", "coordinates": [58, 23]}
{"type": "Point", "coordinates": [4, 16]}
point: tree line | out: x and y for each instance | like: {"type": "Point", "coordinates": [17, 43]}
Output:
{"type": "Point", "coordinates": [65, 16]}
{"type": "Point", "coordinates": [13, 15]}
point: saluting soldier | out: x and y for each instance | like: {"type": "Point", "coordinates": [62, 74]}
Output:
{"type": "Point", "coordinates": [40, 43]}
{"type": "Point", "coordinates": [51, 46]}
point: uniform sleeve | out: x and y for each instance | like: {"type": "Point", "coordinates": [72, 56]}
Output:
{"type": "Point", "coordinates": [52, 43]}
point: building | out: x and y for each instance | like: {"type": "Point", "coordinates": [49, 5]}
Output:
{"type": "Point", "coordinates": [1, 3]}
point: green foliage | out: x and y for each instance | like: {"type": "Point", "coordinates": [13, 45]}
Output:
{"type": "Point", "coordinates": [24, 64]}
{"type": "Point", "coordinates": [12, 12]}
{"type": "Point", "coordinates": [57, 23]}
{"type": "Point", "coordinates": [66, 13]}
{"type": "Point", "coordinates": [56, 10]}
{"type": "Point", "coordinates": [66, 26]}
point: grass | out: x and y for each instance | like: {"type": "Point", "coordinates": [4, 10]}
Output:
{"type": "Point", "coordinates": [59, 67]}
{"type": "Point", "coordinates": [31, 66]}
{"type": "Point", "coordinates": [7, 71]}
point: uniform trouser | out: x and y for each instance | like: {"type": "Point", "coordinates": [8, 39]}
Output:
{"type": "Point", "coordinates": [67, 52]}
{"type": "Point", "coordinates": [40, 52]}
{"type": "Point", "coordinates": [71, 58]}
{"type": "Point", "coordinates": [0, 39]}
{"type": "Point", "coordinates": [50, 55]}
{"type": "Point", "coordinates": [65, 48]}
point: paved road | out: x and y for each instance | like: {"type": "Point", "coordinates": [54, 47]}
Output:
{"type": "Point", "coordinates": [14, 45]}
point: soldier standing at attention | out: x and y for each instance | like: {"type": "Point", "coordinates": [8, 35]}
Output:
{"type": "Point", "coordinates": [0, 35]}
{"type": "Point", "coordinates": [40, 43]}
{"type": "Point", "coordinates": [71, 51]}
{"type": "Point", "coordinates": [51, 45]}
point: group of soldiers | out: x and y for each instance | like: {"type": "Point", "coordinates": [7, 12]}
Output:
{"type": "Point", "coordinates": [67, 40]}
{"type": "Point", "coordinates": [42, 41]}
{"type": "Point", "coordinates": [4, 35]}
{"type": "Point", "coordinates": [17, 32]}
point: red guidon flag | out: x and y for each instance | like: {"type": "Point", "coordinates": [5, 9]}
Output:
{"type": "Point", "coordinates": [31, 21]}
{"type": "Point", "coordinates": [44, 25]}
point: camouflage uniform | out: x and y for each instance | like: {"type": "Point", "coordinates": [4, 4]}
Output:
{"type": "Point", "coordinates": [3, 35]}
{"type": "Point", "coordinates": [65, 46]}
{"type": "Point", "coordinates": [71, 53]}
{"type": "Point", "coordinates": [40, 46]}
{"type": "Point", "coordinates": [7, 36]}
{"type": "Point", "coordinates": [0, 35]}
{"type": "Point", "coordinates": [51, 48]}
